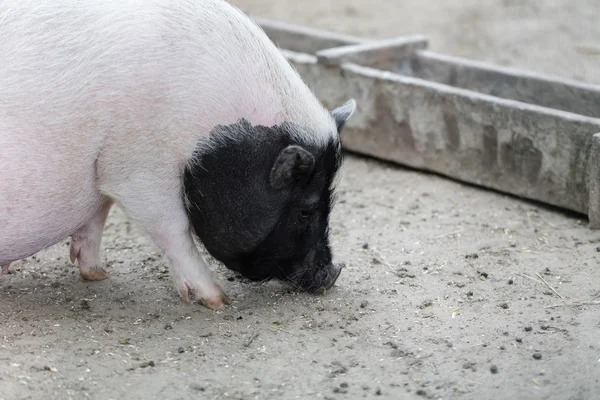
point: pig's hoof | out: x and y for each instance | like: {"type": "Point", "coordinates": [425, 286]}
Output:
{"type": "Point", "coordinates": [216, 302]}
{"type": "Point", "coordinates": [93, 274]}
{"type": "Point", "coordinates": [213, 301]}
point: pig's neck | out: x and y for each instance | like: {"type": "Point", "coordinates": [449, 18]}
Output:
{"type": "Point", "coordinates": [269, 95]}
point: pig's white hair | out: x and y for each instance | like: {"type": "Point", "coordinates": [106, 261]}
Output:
{"type": "Point", "coordinates": [187, 64]}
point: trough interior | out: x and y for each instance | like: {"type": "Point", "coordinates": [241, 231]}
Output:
{"type": "Point", "coordinates": [503, 83]}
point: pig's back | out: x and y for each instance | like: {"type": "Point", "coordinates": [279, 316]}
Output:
{"type": "Point", "coordinates": [200, 59]}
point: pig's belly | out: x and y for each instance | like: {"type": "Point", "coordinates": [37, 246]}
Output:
{"type": "Point", "coordinates": [47, 191]}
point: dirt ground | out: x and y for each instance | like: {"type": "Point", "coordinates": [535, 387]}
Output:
{"type": "Point", "coordinates": [449, 292]}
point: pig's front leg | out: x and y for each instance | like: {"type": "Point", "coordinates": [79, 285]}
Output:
{"type": "Point", "coordinates": [85, 245]}
{"type": "Point", "coordinates": [192, 277]}
{"type": "Point", "coordinates": [155, 202]}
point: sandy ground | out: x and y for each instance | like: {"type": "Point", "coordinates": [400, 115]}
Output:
{"type": "Point", "coordinates": [447, 293]}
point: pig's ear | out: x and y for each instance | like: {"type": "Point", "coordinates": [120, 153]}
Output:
{"type": "Point", "coordinates": [342, 114]}
{"type": "Point", "coordinates": [293, 162]}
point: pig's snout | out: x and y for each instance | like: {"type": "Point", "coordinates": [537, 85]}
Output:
{"type": "Point", "coordinates": [317, 280]}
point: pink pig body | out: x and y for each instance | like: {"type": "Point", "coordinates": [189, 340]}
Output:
{"type": "Point", "coordinates": [104, 102]}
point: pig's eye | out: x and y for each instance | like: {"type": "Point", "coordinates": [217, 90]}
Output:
{"type": "Point", "coordinates": [304, 216]}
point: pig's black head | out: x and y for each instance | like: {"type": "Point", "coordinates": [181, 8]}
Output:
{"type": "Point", "coordinates": [259, 199]}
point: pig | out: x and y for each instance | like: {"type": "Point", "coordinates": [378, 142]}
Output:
{"type": "Point", "coordinates": [184, 114]}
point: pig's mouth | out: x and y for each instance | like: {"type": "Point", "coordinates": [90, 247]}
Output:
{"type": "Point", "coordinates": [306, 278]}
{"type": "Point", "coordinates": [316, 280]}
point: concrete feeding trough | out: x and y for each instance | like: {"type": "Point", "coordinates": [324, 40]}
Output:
{"type": "Point", "coordinates": [515, 131]}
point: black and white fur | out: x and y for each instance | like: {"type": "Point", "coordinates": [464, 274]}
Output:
{"type": "Point", "coordinates": [271, 219]}
{"type": "Point", "coordinates": [144, 103]}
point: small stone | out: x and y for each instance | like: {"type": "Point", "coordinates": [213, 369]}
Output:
{"type": "Point", "coordinates": [231, 279]}
{"type": "Point", "coordinates": [365, 246]}
{"type": "Point", "coordinates": [364, 304]}
{"type": "Point", "coordinates": [504, 306]}
{"type": "Point", "coordinates": [168, 327]}
{"type": "Point", "coordinates": [537, 356]}
{"type": "Point", "coordinates": [519, 340]}
{"type": "Point", "coordinates": [426, 303]}
{"type": "Point", "coordinates": [397, 353]}
{"type": "Point", "coordinates": [421, 392]}
{"type": "Point", "coordinates": [181, 350]}
{"type": "Point", "coordinates": [528, 329]}
{"type": "Point", "coordinates": [84, 304]}
{"type": "Point", "coordinates": [197, 387]}
{"type": "Point", "coordinates": [510, 282]}
{"type": "Point", "coordinates": [378, 392]}
{"type": "Point", "coordinates": [502, 348]}
{"type": "Point", "coordinates": [344, 384]}
{"type": "Point", "coordinates": [147, 364]}
{"type": "Point", "coordinates": [470, 365]}
{"type": "Point", "coordinates": [493, 369]}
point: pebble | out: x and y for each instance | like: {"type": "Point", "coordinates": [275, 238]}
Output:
{"type": "Point", "coordinates": [537, 356]}
{"type": "Point", "coordinates": [147, 364]}
{"type": "Point", "coordinates": [493, 369]}
{"type": "Point", "coordinates": [197, 387]}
